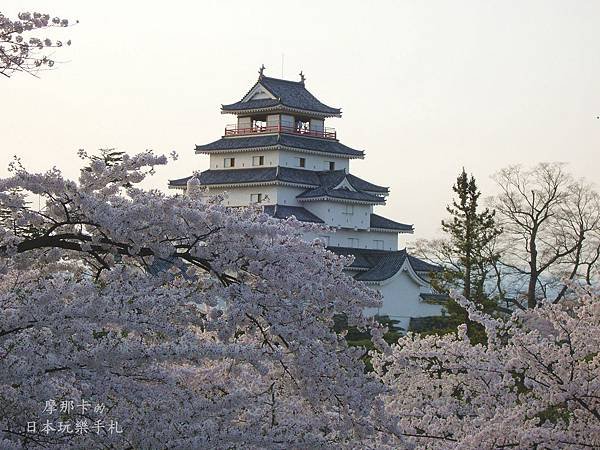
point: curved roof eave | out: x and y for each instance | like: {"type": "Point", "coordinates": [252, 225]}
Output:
{"type": "Point", "coordinates": [278, 108]}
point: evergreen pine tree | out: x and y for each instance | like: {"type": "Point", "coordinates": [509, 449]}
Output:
{"type": "Point", "coordinates": [470, 234]}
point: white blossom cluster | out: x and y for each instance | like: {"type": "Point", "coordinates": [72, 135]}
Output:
{"type": "Point", "coordinates": [21, 51]}
{"type": "Point", "coordinates": [536, 384]}
{"type": "Point", "coordinates": [198, 326]}
{"type": "Point", "coordinates": [201, 326]}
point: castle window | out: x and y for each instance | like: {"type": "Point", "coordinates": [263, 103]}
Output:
{"type": "Point", "coordinates": [330, 165]}
{"type": "Point", "coordinates": [229, 162]}
{"type": "Point", "coordinates": [258, 160]}
{"type": "Point", "coordinates": [300, 162]}
{"type": "Point", "coordinates": [259, 124]}
{"type": "Point", "coordinates": [353, 242]}
{"type": "Point", "coordinates": [349, 210]}
{"type": "Point", "coordinates": [378, 244]}
{"type": "Point", "coordinates": [256, 198]}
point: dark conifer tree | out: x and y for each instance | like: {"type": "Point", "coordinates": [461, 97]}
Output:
{"type": "Point", "coordinates": [470, 235]}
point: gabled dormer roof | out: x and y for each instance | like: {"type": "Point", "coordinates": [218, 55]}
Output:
{"type": "Point", "coordinates": [271, 94]}
{"type": "Point", "coordinates": [379, 265]}
{"type": "Point", "coordinates": [324, 193]}
{"type": "Point", "coordinates": [336, 179]}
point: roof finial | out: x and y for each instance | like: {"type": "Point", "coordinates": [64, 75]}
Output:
{"type": "Point", "coordinates": [302, 77]}
{"type": "Point", "coordinates": [260, 72]}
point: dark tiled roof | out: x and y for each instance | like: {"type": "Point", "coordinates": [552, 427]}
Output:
{"type": "Point", "coordinates": [422, 266]}
{"type": "Point", "coordinates": [240, 143]}
{"type": "Point", "coordinates": [251, 104]}
{"type": "Point", "coordinates": [381, 264]}
{"type": "Point", "coordinates": [434, 297]}
{"type": "Point", "coordinates": [283, 212]}
{"type": "Point", "coordinates": [284, 140]}
{"type": "Point", "coordinates": [363, 258]}
{"type": "Point", "coordinates": [381, 222]}
{"type": "Point", "coordinates": [321, 145]}
{"type": "Point", "coordinates": [331, 178]}
{"type": "Point", "coordinates": [428, 323]}
{"type": "Point", "coordinates": [363, 185]}
{"type": "Point", "coordinates": [179, 182]}
{"type": "Point", "coordinates": [292, 94]}
{"type": "Point", "coordinates": [323, 181]}
{"type": "Point", "coordinates": [387, 266]}
{"type": "Point", "coordinates": [341, 194]}
{"type": "Point", "coordinates": [259, 175]}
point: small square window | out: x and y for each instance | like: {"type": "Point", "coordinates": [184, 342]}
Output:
{"type": "Point", "coordinates": [256, 198]}
{"type": "Point", "coordinates": [258, 160]}
{"type": "Point", "coordinates": [353, 242]}
{"type": "Point", "coordinates": [349, 210]}
{"type": "Point", "coordinates": [378, 244]}
{"type": "Point", "coordinates": [229, 162]}
{"type": "Point", "coordinates": [331, 165]}
{"type": "Point", "coordinates": [300, 162]}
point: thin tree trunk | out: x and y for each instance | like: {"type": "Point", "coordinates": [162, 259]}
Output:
{"type": "Point", "coordinates": [533, 275]}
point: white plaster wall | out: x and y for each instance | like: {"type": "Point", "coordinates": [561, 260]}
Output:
{"type": "Point", "coordinates": [240, 196]}
{"type": "Point", "coordinates": [366, 239]}
{"type": "Point", "coordinates": [401, 300]}
{"type": "Point", "coordinates": [286, 195]}
{"type": "Point", "coordinates": [313, 162]}
{"type": "Point", "coordinates": [243, 160]}
{"type": "Point", "coordinates": [334, 214]}
{"type": "Point", "coordinates": [340, 238]}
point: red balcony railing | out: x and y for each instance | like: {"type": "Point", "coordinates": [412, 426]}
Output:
{"type": "Point", "coordinates": [234, 130]}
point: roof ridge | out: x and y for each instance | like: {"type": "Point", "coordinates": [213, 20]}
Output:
{"type": "Point", "coordinates": [282, 79]}
{"type": "Point", "coordinates": [330, 171]}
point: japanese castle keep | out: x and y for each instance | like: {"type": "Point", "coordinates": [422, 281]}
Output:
{"type": "Point", "coordinates": [280, 154]}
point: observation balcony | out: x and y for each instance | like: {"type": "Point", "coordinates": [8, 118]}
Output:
{"type": "Point", "coordinates": [234, 130]}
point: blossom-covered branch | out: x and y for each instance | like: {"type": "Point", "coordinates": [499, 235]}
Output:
{"type": "Point", "coordinates": [535, 385]}
{"type": "Point", "coordinates": [20, 49]}
{"type": "Point", "coordinates": [198, 325]}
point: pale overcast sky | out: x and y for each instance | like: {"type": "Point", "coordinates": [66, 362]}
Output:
{"type": "Point", "coordinates": [425, 87]}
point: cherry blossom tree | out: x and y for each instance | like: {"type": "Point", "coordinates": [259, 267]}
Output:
{"type": "Point", "coordinates": [22, 49]}
{"type": "Point", "coordinates": [195, 325]}
{"type": "Point", "coordinates": [535, 384]}
{"type": "Point", "coordinates": [133, 319]}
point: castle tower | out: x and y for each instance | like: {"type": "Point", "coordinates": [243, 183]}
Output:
{"type": "Point", "coordinates": [280, 154]}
